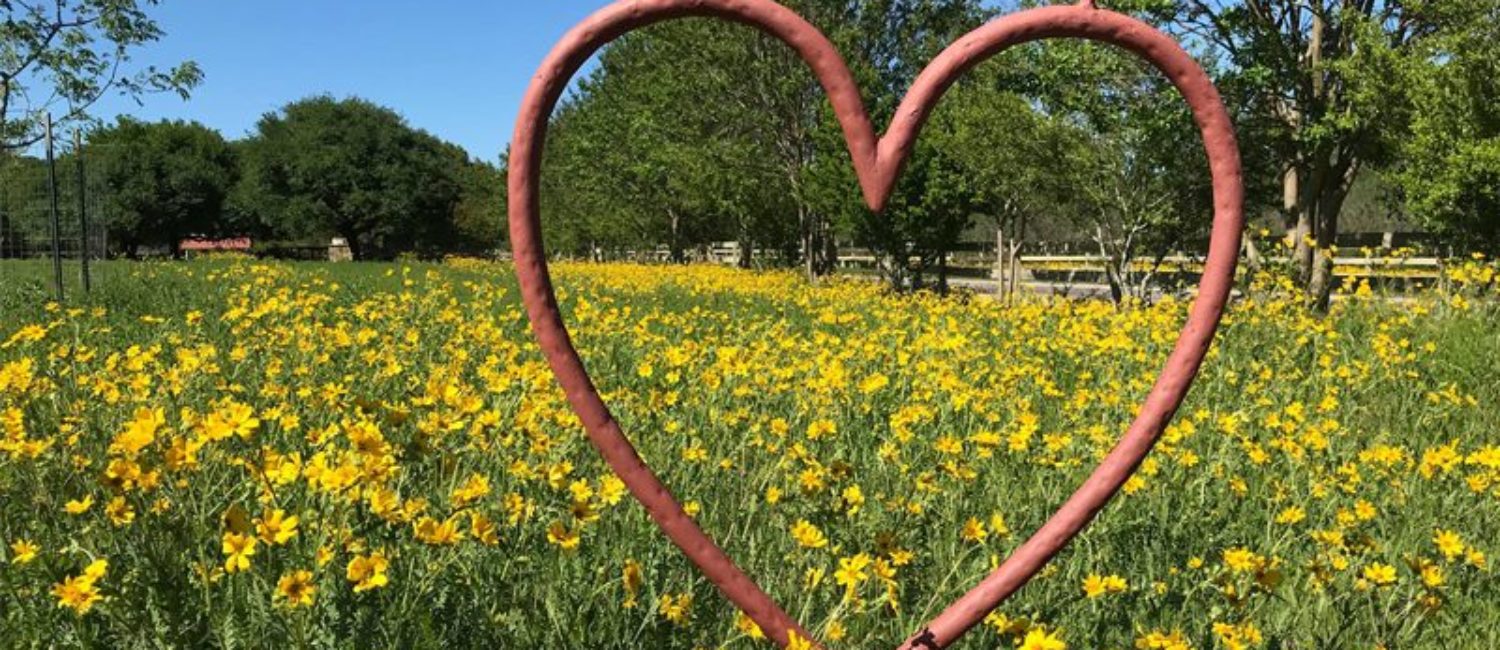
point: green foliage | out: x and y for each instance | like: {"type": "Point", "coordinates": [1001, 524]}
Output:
{"type": "Point", "coordinates": [678, 138]}
{"type": "Point", "coordinates": [1010, 151]}
{"type": "Point", "coordinates": [322, 167]}
{"type": "Point", "coordinates": [1083, 142]}
{"type": "Point", "coordinates": [1449, 172]}
{"type": "Point", "coordinates": [163, 181]}
{"type": "Point", "coordinates": [480, 215]}
{"type": "Point", "coordinates": [888, 43]}
{"type": "Point", "coordinates": [698, 131]}
{"type": "Point", "coordinates": [23, 205]}
{"type": "Point", "coordinates": [317, 169]}
{"type": "Point", "coordinates": [73, 52]}
{"type": "Point", "coordinates": [1332, 88]}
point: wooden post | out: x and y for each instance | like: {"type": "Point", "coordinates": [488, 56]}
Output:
{"type": "Point", "coordinates": [83, 214]}
{"type": "Point", "coordinates": [57, 274]}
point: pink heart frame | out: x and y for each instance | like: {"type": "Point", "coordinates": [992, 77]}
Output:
{"type": "Point", "coordinates": [878, 162]}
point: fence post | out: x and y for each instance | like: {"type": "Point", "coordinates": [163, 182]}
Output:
{"type": "Point", "coordinates": [57, 274]}
{"type": "Point", "coordinates": [83, 214]}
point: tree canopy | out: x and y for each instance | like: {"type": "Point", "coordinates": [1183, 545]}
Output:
{"type": "Point", "coordinates": [318, 168]}
{"type": "Point", "coordinates": [163, 181]}
{"type": "Point", "coordinates": [324, 167]}
{"type": "Point", "coordinates": [694, 132]}
{"type": "Point", "coordinates": [1336, 86]}
{"type": "Point", "coordinates": [62, 56]}
{"type": "Point", "coordinates": [1448, 169]}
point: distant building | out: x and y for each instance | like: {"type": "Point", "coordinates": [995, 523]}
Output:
{"type": "Point", "coordinates": [197, 246]}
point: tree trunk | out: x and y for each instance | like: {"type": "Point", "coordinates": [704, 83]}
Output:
{"type": "Point", "coordinates": [942, 285]}
{"type": "Point", "coordinates": [1306, 190]}
{"type": "Point", "coordinates": [1000, 262]}
{"type": "Point", "coordinates": [1320, 286]}
{"type": "Point", "coordinates": [1254, 262]}
{"type": "Point", "coordinates": [830, 256]}
{"type": "Point", "coordinates": [675, 245]}
{"type": "Point", "coordinates": [1333, 182]}
{"type": "Point", "coordinates": [809, 262]}
{"type": "Point", "coordinates": [1112, 273]}
{"type": "Point", "coordinates": [747, 253]}
{"type": "Point", "coordinates": [1330, 203]}
{"type": "Point", "coordinates": [1015, 255]}
{"type": "Point", "coordinates": [1299, 221]}
{"type": "Point", "coordinates": [1116, 287]}
{"type": "Point", "coordinates": [1015, 267]}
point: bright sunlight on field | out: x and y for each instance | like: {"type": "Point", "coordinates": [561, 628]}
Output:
{"type": "Point", "coordinates": [357, 456]}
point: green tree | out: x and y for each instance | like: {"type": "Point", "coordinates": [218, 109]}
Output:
{"type": "Point", "coordinates": [1448, 176]}
{"type": "Point", "coordinates": [1019, 160]}
{"type": "Point", "coordinates": [888, 43]}
{"type": "Point", "coordinates": [1143, 186]}
{"type": "Point", "coordinates": [322, 167]}
{"type": "Point", "coordinates": [163, 182]}
{"type": "Point", "coordinates": [64, 55]}
{"type": "Point", "coordinates": [696, 131]}
{"type": "Point", "coordinates": [23, 205]}
{"type": "Point", "coordinates": [1329, 80]}
{"type": "Point", "coordinates": [479, 217]}
{"type": "Point", "coordinates": [655, 149]}
{"type": "Point", "coordinates": [1093, 142]}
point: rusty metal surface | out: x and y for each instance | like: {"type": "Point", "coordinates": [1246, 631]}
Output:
{"type": "Point", "coordinates": [878, 163]}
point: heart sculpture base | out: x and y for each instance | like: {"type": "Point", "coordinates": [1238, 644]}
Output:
{"type": "Point", "coordinates": [877, 162]}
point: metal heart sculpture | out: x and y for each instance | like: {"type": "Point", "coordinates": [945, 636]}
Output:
{"type": "Point", "coordinates": [877, 162]}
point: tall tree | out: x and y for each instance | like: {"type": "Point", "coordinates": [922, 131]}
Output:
{"type": "Point", "coordinates": [1328, 77]}
{"type": "Point", "coordinates": [780, 106]}
{"type": "Point", "coordinates": [889, 42]}
{"type": "Point", "coordinates": [1448, 175]}
{"type": "Point", "coordinates": [163, 181]}
{"type": "Point", "coordinates": [698, 130]}
{"type": "Point", "coordinates": [654, 148]}
{"type": "Point", "coordinates": [1093, 140]}
{"type": "Point", "coordinates": [321, 167]}
{"type": "Point", "coordinates": [1019, 160]}
{"type": "Point", "coordinates": [1142, 180]}
{"type": "Point", "coordinates": [64, 55]}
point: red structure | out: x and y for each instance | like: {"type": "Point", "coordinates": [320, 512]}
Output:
{"type": "Point", "coordinates": [237, 244]}
{"type": "Point", "coordinates": [878, 161]}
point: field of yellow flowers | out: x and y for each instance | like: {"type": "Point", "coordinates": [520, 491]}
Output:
{"type": "Point", "coordinates": [242, 454]}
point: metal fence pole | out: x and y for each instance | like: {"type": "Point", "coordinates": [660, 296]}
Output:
{"type": "Point", "coordinates": [83, 214]}
{"type": "Point", "coordinates": [57, 273]}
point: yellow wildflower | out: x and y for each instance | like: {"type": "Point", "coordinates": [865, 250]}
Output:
{"type": "Point", "coordinates": [23, 551]}
{"type": "Point", "coordinates": [808, 535]}
{"type": "Point", "coordinates": [296, 589]}
{"type": "Point", "coordinates": [367, 571]}
{"type": "Point", "coordinates": [237, 551]}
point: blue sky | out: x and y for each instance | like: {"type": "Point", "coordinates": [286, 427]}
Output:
{"type": "Point", "coordinates": [456, 69]}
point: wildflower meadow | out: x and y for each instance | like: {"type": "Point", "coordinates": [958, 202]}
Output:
{"type": "Point", "coordinates": [231, 453]}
